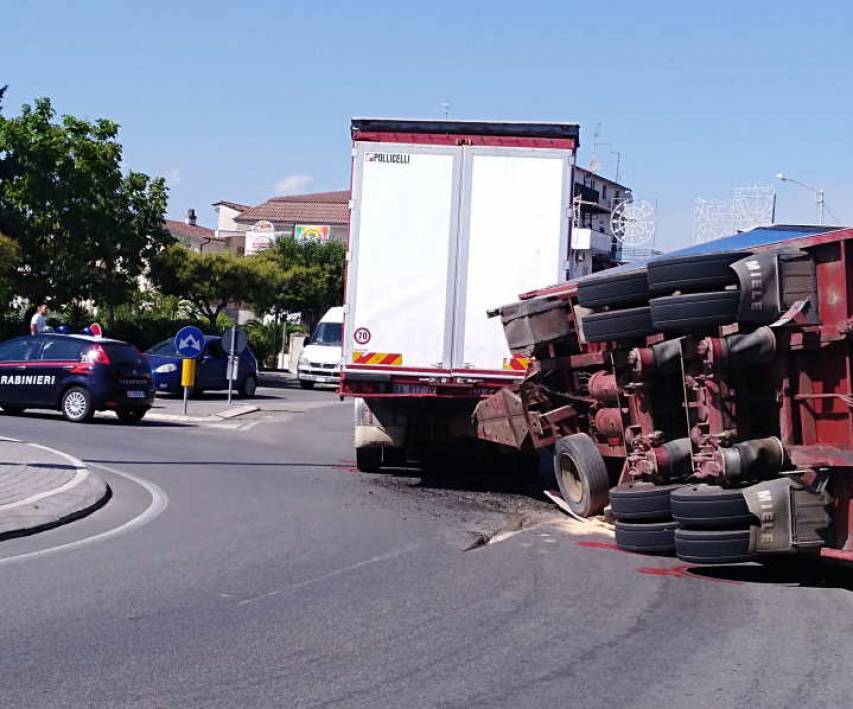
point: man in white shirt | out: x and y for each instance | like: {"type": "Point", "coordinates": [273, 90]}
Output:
{"type": "Point", "coordinates": [38, 322]}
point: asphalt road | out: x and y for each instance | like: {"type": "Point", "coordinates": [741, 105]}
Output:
{"type": "Point", "coordinates": [253, 567]}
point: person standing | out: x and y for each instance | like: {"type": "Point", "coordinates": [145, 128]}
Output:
{"type": "Point", "coordinates": [38, 322]}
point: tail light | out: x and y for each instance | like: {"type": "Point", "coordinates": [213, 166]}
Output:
{"type": "Point", "coordinates": [97, 355]}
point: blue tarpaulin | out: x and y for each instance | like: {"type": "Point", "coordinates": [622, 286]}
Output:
{"type": "Point", "coordinates": [762, 236]}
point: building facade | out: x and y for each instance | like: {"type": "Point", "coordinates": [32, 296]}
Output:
{"type": "Point", "coordinates": [593, 245]}
{"type": "Point", "coordinates": [319, 215]}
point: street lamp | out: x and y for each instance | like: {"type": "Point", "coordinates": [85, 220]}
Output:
{"type": "Point", "coordinates": [817, 192]}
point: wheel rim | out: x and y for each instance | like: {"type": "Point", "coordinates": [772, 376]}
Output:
{"type": "Point", "coordinates": [75, 404]}
{"type": "Point", "coordinates": [572, 484]}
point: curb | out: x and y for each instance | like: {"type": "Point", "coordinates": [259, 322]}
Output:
{"type": "Point", "coordinates": [216, 417]}
{"type": "Point", "coordinates": [84, 493]}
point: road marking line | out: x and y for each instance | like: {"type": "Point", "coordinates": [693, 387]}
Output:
{"type": "Point", "coordinates": [81, 473]}
{"type": "Point", "coordinates": [331, 574]}
{"type": "Point", "coordinates": [159, 502]}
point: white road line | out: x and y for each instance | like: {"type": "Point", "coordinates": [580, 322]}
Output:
{"type": "Point", "coordinates": [331, 574]}
{"type": "Point", "coordinates": [80, 474]}
{"type": "Point", "coordinates": [159, 502]}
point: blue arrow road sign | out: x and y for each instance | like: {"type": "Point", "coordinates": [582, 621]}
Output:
{"type": "Point", "coordinates": [189, 342]}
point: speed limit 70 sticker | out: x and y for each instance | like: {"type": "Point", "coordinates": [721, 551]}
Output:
{"type": "Point", "coordinates": [361, 335]}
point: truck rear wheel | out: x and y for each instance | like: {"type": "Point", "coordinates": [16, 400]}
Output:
{"type": "Point", "coordinates": [630, 323]}
{"type": "Point", "coordinates": [704, 272]}
{"type": "Point", "coordinates": [713, 546]}
{"type": "Point", "coordinates": [581, 474]}
{"type": "Point", "coordinates": [680, 313]}
{"type": "Point", "coordinates": [648, 538]}
{"type": "Point", "coordinates": [618, 289]}
{"type": "Point", "coordinates": [641, 501]}
{"type": "Point", "coordinates": [710, 507]}
{"type": "Point", "coordinates": [368, 459]}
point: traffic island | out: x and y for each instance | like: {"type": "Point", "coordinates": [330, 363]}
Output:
{"type": "Point", "coordinates": [41, 488]}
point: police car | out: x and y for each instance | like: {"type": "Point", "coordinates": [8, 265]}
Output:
{"type": "Point", "coordinates": [75, 374]}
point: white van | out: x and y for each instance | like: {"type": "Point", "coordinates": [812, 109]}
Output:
{"type": "Point", "coordinates": [320, 361]}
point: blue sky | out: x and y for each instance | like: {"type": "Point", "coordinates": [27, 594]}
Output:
{"type": "Point", "coordinates": [239, 100]}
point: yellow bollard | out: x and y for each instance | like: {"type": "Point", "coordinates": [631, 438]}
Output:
{"type": "Point", "coordinates": [187, 372]}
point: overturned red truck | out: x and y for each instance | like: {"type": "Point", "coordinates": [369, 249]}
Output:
{"type": "Point", "coordinates": [704, 396]}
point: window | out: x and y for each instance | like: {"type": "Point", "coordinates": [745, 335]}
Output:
{"type": "Point", "coordinates": [165, 348]}
{"type": "Point", "coordinates": [214, 349]}
{"type": "Point", "coordinates": [20, 349]}
{"type": "Point", "coordinates": [328, 333]}
{"type": "Point", "coordinates": [60, 348]}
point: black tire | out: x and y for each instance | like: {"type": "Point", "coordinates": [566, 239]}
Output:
{"type": "Point", "coordinates": [630, 323]}
{"type": "Point", "coordinates": [581, 474]}
{"type": "Point", "coordinates": [641, 501]}
{"type": "Point", "coordinates": [618, 289]}
{"type": "Point", "coordinates": [710, 507]}
{"type": "Point", "coordinates": [650, 538]}
{"type": "Point", "coordinates": [713, 546]}
{"type": "Point", "coordinates": [248, 387]}
{"type": "Point", "coordinates": [306, 384]}
{"type": "Point", "coordinates": [76, 405]}
{"type": "Point", "coordinates": [368, 459]}
{"type": "Point", "coordinates": [394, 457]}
{"type": "Point", "coordinates": [694, 311]}
{"type": "Point", "coordinates": [131, 414]}
{"type": "Point", "coordinates": [13, 410]}
{"type": "Point", "coordinates": [689, 274]}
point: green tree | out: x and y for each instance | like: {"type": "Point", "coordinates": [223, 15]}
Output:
{"type": "Point", "coordinates": [10, 255]}
{"type": "Point", "coordinates": [208, 280]}
{"type": "Point", "coordinates": [85, 229]}
{"type": "Point", "coordinates": [304, 277]}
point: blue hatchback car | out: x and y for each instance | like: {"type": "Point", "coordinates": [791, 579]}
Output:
{"type": "Point", "coordinates": [211, 369]}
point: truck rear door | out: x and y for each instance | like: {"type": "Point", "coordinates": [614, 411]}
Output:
{"type": "Point", "coordinates": [402, 258]}
{"type": "Point", "coordinates": [515, 209]}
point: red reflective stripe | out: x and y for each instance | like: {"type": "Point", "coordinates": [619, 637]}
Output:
{"type": "Point", "coordinates": [390, 359]}
{"type": "Point", "coordinates": [507, 141]}
{"type": "Point", "coordinates": [40, 363]}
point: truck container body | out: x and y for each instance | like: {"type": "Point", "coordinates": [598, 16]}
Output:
{"type": "Point", "coordinates": [448, 218]}
{"type": "Point", "coordinates": [704, 398]}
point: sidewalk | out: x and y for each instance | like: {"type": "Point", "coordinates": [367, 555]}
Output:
{"type": "Point", "coordinates": [41, 488]}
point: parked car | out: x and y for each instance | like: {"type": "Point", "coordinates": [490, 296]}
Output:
{"type": "Point", "coordinates": [75, 374]}
{"type": "Point", "coordinates": [320, 361]}
{"type": "Point", "coordinates": [210, 371]}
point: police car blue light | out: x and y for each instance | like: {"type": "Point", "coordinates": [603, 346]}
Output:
{"type": "Point", "coordinates": [75, 374]}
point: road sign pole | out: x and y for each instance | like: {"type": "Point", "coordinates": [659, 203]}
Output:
{"type": "Point", "coordinates": [231, 362]}
{"type": "Point", "coordinates": [187, 379]}
{"type": "Point", "coordinates": [189, 344]}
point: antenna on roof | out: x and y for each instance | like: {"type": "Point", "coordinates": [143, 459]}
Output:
{"type": "Point", "coordinates": [445, 108]}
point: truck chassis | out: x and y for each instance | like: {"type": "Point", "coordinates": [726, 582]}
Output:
{"type": "Point", "coordinates": [703, 398]}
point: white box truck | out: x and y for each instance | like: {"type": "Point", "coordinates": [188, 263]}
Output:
{"type": "Point", "coordinates": [449, 219]}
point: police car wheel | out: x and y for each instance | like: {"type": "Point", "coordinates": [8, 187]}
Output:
{"type": "Point", "coordinates": [247, 388]}
{"type": "Point", "coordinates": [77, 405]}
{"type": "Point", "coordinates": [131, 414]}
{"type": "Point", "coordinates": [13, 410]}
